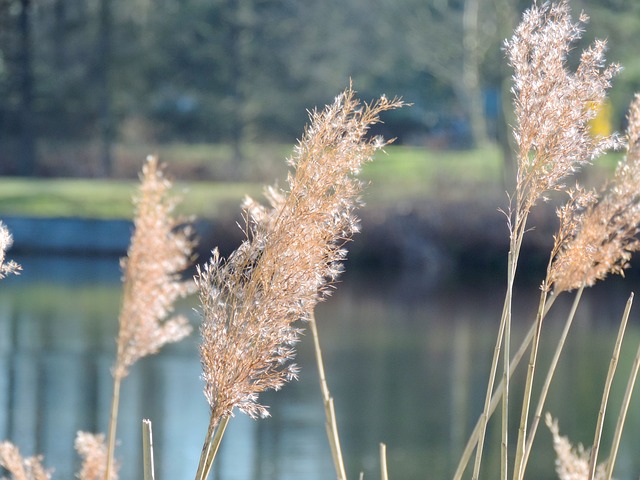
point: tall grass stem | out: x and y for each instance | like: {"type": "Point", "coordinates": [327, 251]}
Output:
{"type": "Point", "coordinates": [547, 382]}
{"type": "Point", "coordinates": [496, 398]}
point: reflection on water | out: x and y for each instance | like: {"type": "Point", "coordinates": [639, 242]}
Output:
{"type": "Point", "coordinates": [406, 367]}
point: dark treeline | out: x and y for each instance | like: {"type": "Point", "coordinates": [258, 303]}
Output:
{"type": "Point", "coordinates": [98, 73]}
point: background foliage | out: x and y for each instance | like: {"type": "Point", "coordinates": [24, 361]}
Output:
{"type": "Point", "coordinates": [78, 77]}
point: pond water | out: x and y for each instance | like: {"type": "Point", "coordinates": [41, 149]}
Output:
{"type": "Point", "coordinates": [406, 364]}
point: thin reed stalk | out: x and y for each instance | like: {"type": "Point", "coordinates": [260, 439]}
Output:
{"type": "Point", "coordinates": [496, 397]}
{"type": "Point", "coordinates": [615, 444]}
{"type": "Point", "coordinates": [518, 470]}
{"type": "Point", "coordinates": [547, 382]}
{"type": "Point", "coordinates": [148, 472]}
{"type": "Point", "coordinates": [330, 414]}
{"type": "Point", "coordinates": [503, 338]}
{"type": "Point", "coordinates": [113, 425]}
{"type": "Point", "coordinates": [384, 474]}
{"type": "Point", "coordinates": [212, 441]}
{"type": "Point", "coordinates": [607, 390]}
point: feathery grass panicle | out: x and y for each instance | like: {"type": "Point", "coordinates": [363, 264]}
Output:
{"type": "Point", "coordinates": [571, 463]}
{"type": "Point", "coordinates": [292, 253]}
{"type": "Point", "coordinates": [6, 240]}
{"type": "Point", "coordinates": [604, 234]}
{"type": "Point", "coordinates": [93, 451]}
{"type": "Point", "coordinates": [21, 468]}
{"type": "Point", "coordinates": [553, 105]}
{"type": "Point", "coordinates": [160, 249]}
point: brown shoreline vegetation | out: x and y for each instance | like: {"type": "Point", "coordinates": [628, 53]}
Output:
{"type": "Point", "coordinates": [255, 302]}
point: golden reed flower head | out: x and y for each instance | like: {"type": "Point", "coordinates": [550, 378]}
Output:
{"type": "Point", "coordinates": [21, 468]}
{"type": "Point", "coordinates": [553, 105]}
{"type": "Point", "coordinates": [93, 451]}
{"type": "Point", "coordinates": [161, 248]}
{"type": "Point", "coordinates": [292, 254]}
{"type": "Point", "coordinates": [6, 240]}
{"type": "Point", "coordinates": [572, 463]}
{"type": "Point", "coordinates": [603, 234]}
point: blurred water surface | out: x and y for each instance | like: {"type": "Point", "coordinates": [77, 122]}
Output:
{"type": "Point", "coordinates": [407, 365]}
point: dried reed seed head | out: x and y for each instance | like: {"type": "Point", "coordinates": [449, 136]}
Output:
{"type": "Point", "coordinates": [293, 251]}
{"type": "Point", "coordinates": [21, 468]}
{"type": "Point", "coordinates": [572, 463]}
{"type": "Point", "coordinates": [93, 451]}
{"type": "Point", "coordinates": [602, 237]}
{"type": "Point", "coordinates": [6, 240]}
{"type": "Point", "coordinates": [161, 248]}
{"type": "Point", "coordinates": [553, 105]}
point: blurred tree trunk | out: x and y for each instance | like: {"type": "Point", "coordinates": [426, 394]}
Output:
{"type": "Point", "coordinates": [59, 34]}
{"type": "Point", "coordinates": [27, 135]}
{"type": "Point", "coordinates": [242, 15]}
{"type": "Point", "coordinates": [450, 41]}
{"type": "Point", "coordinates": [471, 62]}
{"type": "Point", "coordinates": [106, 127]}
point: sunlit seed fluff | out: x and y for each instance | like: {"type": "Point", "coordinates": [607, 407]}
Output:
{"type": "Point", "coordinates": [604, 235]}
{"type": "Point", "coordinates": [554, 105]}
{"type": "Point", "coordinates": [6, 240]}
{"type": "Point", "coordinates": [93, 452]}
{"type": "Point", "coordinates": [251, 301]}
{"type": "Point", "coordinates": [572, 463]}
{"type": "Point", "coordinates": [160, 249]}
{"type": "Point", "coordinates": [22, 468]}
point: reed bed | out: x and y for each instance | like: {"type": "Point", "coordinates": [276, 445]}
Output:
{"type": "Point", "coordinates": [255, 303]}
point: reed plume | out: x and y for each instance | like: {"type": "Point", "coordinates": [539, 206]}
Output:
{"type": "Point", "coordinates": [7, 267]}
{"type": "Point", "coordinates": [93, 451]}
{"type": "Point", "coordinates": [602, 237]}
{"type": "Point", "coordinates": [293, 252]}
{"type": "Point", "coordinates": [21, 468]}
{"type": "Point", "coordinates": [553, 108]}
{"type": "Point", "coordinates": [572, 463]}
{"type": "Point", "coordinates": [554, 105]}
{"type": "Point", "coordinates": [160, 250]}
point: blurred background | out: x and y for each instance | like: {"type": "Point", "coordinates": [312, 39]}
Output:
{"type": "Point", "coordinates": [220, 89]}
{"type": "Point", "coordinates": [85, 83]}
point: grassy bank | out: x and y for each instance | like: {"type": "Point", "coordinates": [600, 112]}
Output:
{"type": "Point", "coordinates": [399, 175]}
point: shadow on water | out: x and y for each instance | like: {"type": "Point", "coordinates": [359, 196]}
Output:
{"type": "Point", "coordinates": [407, 364]}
